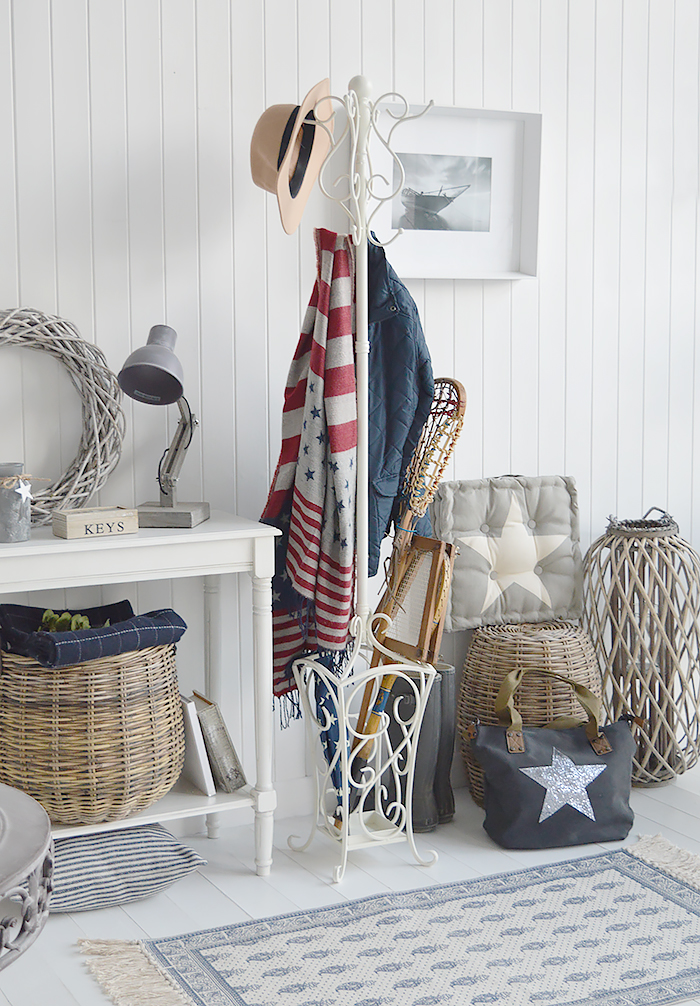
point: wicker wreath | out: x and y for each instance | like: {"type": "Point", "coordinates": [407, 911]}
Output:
{"type": "Point", "coordinates": [103, 419]}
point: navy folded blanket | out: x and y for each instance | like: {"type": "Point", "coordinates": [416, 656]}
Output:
{"type": "Point", "coordinates": [126, 632]}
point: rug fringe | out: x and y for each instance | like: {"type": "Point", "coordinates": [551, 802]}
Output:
{"type": "Point", "coordinates": [658, 851]}
{"type": "Point", "coordinates": [128, 976]}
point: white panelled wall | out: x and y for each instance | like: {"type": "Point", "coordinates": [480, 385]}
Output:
{"type": "Point", "coordinates": [126, 201]}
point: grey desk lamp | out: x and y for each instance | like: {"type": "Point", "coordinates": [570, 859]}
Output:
{"type": "Point", "coordinates": [153, 374]}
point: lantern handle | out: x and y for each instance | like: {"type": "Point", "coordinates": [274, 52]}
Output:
{"type": "Point", "coordinates": [664, 513]}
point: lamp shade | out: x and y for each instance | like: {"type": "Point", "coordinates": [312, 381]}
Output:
{"type": "Point", "coordinates": [153, 374]}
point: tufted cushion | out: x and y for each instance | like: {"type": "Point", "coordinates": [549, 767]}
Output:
{"type": "Point", "coordinates": [115, 867]}
{"type": "Point", "coordinates": [519, 556]}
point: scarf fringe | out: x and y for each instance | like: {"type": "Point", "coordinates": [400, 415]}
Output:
{"type": "Point", "coordinates": [288, 708]}
{"type": "Point", "coordinates": [128, 976]}
{"type": "Point", "coordinates": [658, 851]}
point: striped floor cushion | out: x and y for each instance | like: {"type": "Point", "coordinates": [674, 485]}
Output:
{"type": "Point", "coordinates": [115, 867]}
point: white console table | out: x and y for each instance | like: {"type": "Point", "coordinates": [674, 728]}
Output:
{"type": "Point", "coordinates": [223, 544]}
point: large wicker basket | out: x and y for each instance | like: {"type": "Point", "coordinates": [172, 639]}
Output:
{"type": "Point", "coordinates": [495, 651]}
{"type": "Point", "coordinates": [95, 741]}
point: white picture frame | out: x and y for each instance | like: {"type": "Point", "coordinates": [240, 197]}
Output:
{"type": "Point", "coordinates": [489, 232]}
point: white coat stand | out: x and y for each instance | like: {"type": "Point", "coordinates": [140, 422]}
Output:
{"type": "Point", "coordinates": [363, 804]}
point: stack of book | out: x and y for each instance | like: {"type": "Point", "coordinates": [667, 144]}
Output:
{"type": "Point", "coordinates": [211, 762]}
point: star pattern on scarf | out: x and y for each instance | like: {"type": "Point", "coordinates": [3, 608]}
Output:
{"type": "Point", "coordinates": [515, 556]}
{"type": "Point", "coordinates": [566, 784]}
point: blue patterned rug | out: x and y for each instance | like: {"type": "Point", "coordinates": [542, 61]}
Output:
{"type": "Point", "coordinates": [618, 929]}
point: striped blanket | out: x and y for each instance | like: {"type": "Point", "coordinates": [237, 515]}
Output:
{"type": "Point", "coordinates": [312, 497]}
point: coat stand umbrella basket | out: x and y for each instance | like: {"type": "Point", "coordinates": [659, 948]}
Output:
{"type": "Point", "coordinates": [642, 610]}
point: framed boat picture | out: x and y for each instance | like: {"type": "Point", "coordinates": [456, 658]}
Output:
{"type": "Point", "coordinates": [464, 187]}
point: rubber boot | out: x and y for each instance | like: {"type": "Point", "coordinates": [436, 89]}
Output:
{"type": "Point", "coordinates": [444, 796]}
{"type": "Point", "coordinates": [425, 812]}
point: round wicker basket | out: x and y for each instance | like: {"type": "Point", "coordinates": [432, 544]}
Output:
{"type": "Point", "coordinates": [498, 649]}
{"type": "Point", "coordinates": [95, 741]}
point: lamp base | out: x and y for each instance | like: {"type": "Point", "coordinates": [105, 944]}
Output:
{"type": "Point", "coordinates": [152, 514]}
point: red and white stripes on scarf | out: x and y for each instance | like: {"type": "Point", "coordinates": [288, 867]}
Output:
{"type": "Point", "coordinates": [312, 497]}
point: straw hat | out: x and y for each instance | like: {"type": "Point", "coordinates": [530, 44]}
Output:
{"type": "Point", "coordinates": [287, 151]}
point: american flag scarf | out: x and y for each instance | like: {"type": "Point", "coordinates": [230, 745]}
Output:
{"type": "Point", "coordinates": [312, 497]}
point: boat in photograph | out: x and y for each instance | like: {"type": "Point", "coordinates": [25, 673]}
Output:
{"type": "Point", "coordinates": [431, 202]}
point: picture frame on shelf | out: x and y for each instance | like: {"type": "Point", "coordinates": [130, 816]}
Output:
{"type": "Point", "coordinates": [469, 204]}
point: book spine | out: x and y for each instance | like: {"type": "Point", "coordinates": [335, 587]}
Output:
{"type": "Point", "coordinates": [225, 766]}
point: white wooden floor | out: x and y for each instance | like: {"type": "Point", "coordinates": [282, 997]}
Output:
{"type": "Point", "coordinates": [52, 972]}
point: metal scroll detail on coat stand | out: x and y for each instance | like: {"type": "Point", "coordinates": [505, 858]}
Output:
{"type": "Point", "coordinates": [354, 807]}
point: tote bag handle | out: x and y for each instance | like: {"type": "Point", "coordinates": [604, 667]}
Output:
{"type": "Point", "coordinates": [504, 706]}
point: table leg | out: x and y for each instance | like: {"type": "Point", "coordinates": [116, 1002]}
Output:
{"type": "Point", "coordinates": [262, 670]}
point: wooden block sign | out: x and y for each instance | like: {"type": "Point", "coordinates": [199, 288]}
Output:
{"type": "Point", "coordinates": [94, 522]}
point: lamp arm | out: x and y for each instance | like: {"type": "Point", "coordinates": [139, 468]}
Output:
{"type": "Point", "coordinates": [172, 460]}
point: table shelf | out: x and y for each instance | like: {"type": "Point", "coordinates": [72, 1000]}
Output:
{"type": "Point", "coordinates": [184, 800]}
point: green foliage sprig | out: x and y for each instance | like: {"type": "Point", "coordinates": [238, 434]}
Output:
{"type": "Point", "coordinates": [51, 622]}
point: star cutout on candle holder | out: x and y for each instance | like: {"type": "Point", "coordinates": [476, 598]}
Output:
{"type": "Point", "coordinates": [565, 783]}
{"type": "Point", "coordinates": [514, 556]}
{"type": "Point", "coordinates": [25, 491]}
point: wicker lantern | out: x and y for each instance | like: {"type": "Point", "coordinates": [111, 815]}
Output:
{"type": "Point", "coordinates": [642, 610]}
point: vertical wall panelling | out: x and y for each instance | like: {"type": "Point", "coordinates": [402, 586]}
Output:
{"type": "Point", "coordinates": [41, 380]}
{"type": "Point", "coordinates": [71, 179]}
{"type": "Point", "coordinates": [498, 374]}
{"type": "Point", "coordinates": [469, 53]}
{"type": "Point", "coordinates": [469, 355]}
{"type": "Point", "coordinates": [439, 52]}
{"type": "Point", "coordinates": [345, 44]}
{"type": "Point", "coordinates": [469, 294]}
{"type": "Point", "coordinates": [497, 377]}
{"type": "Point", "coordinates": [657, 288]}
{"type": "Point", "coordinates": [524, 349]}
{"type": "Point", "coordinates": [9, 258]}
{"type": "Point", "coordinates": [686, 157]}
{"type": "Point", "coordinates": [580, 151]}
{"type": "Point", "coordinates": [126, 200]}
{"type": "Point", "coordinates": [215, 246]}
{"type": "Point", "coordinates": [285, 83]}
{"type": "Point", "coordinates": [250, 205]}
{"type": "Point", "coordinates": [144, 296]}
{"type": "Point", "coordinates": [251, 363]}
{"type": "Point", "coordinates": [314, 64]}
{"type": "Point", "coordinates": [378, 44]}
{"type": "Point", "coordinates": [692, 438]}
{"type": "Point", "coordinates": [438, 311]}
{"type": "Point", "coordinates": [633, 258]}
{"type": "Point", "coordinates": [552, 243]}
{"type": "Point", "coordinates": [11, 360]}
{"type": "Point", "coordinates": [181, 213]}
{"type": "Point", "coordinates": [31, 32]}
{"type": "Point", "coordinates": [409, 49]}
{"type": "Point", "coordinates": [606, 264]}
{"type": "Point", "coordinates": [11, 412]}
{"type": "Point", "coordinates": [69, 66]}
{"type": "Point", "coordinates": [109, 170]}
{"type": "Point", "coordinates": [498, 53]}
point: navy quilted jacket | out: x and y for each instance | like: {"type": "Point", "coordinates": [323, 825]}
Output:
{"type": "Point", "coordinates": [400, 394]}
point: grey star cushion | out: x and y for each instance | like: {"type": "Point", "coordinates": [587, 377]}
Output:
{"type": "Point", "coordinates": [519, 557]}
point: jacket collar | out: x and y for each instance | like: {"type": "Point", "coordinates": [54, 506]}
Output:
{"type": "Point", "coordinates": [381, 303]}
